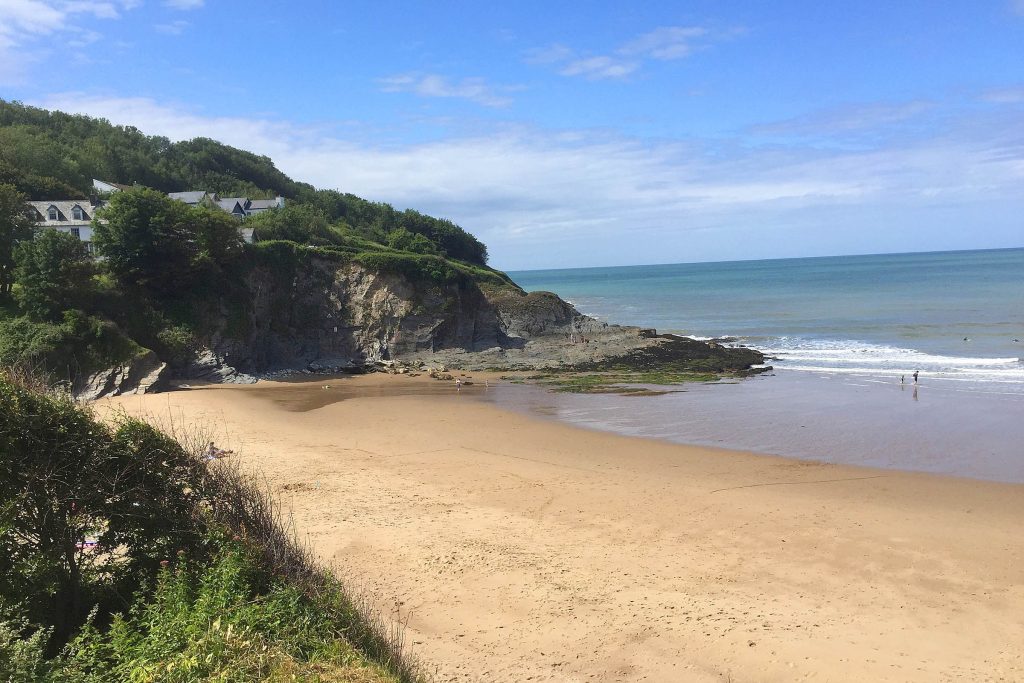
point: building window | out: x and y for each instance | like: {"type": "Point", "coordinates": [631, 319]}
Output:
{"type": "Point", "coordinates": [76, 232]}
{"type": "Point", "coordinates": [51, 214]}
{"type": "Point", "coordinates": [77, 213]}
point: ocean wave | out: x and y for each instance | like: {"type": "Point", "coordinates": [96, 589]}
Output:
{"type": "Point", "coordinates": [853, 357]}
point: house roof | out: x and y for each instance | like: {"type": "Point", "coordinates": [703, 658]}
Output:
{"type": "Point", "coordinates": [264, 204]}
{"type": "Point", "coordinates": [190, 197]}
{"type": "Point", "coordinates": [104, 186]}
{"type": "Point", "coordinates": [65, 212]}
{"type": "Point", "coordinates": [230, 203]}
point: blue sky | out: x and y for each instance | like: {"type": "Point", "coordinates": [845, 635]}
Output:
{"type": "Point", "coordinates": [598, 133]}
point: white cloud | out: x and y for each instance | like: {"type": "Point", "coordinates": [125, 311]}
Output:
{"type": "Point", "coordinates": [27, 18]}
{"type": "Point", "coordinates": [664, 43]}
{"type": "Point", "coordinates": [599, 67]}
{"type": "Point", "coordinates": [100, 10]}
{"type": "Point", "coordinates": [174, 28]}
{"type": "Point", "coordinates": [433, 85]}
{"type": "Point", "coordinates": [540, 198]}
{"type": "Point", "coordinates": [1004, 95]}
{"type": "Point", "coordinates": [84, 38]}
{"type": "Point", "coordinates": [24, 22]}
{"type": "Point", "coordinates": [184, 4]}
{"type": "Point", "coordinates": [552, 54]}
{"type": "Point", "coordinates": [851, 118]}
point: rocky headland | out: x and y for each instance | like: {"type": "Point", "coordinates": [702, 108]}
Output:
{"type": "Point", "coordinates": [329, 317]}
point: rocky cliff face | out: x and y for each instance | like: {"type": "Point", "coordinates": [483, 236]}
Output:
{"type": "Point", "coordinates": [323, 315]}
{"type": "Point", "coordinates": [533, 315]}
{"type": "Point", "coordinates": [332, 315]}
{"type": "Point", "coordinates": [141, 375]}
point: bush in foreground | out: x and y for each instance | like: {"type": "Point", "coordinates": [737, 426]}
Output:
{"type": "Point", "coordinates": [124, 556]}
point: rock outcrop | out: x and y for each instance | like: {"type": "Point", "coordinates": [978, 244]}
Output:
{"type": "Point", "coordinates": [337, 316]}
{"type": "Point", "coordinates": [328, 316]}
{"type": "Point", "coordinates": [143, 374]}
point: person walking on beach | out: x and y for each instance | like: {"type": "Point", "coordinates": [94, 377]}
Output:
{"type": "Point", "coordinates": [915, 376]}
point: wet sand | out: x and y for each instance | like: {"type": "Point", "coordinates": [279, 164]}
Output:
{"type": "Point", "coordinates": [841, 418]}
{"type": "Point", "coordinates": [522, 549]}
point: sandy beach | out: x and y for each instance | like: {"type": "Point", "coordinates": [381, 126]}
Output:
{"type": "Point", "coordinates": [519, 549]}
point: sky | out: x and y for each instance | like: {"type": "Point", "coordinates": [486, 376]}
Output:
{"type": "Point", "coordinates": [585, 133]}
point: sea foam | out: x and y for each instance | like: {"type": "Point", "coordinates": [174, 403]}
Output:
{"type": "Point", "coordinates": [858, 357]}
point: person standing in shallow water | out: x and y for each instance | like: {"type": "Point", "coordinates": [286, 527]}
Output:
{"type": "Point", "coordinates": [915, 376]}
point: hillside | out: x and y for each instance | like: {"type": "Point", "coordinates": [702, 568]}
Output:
{"type": "Point", "coordinates": [330, 282]}
{"type": "Point", "coordinates": [53, 155]}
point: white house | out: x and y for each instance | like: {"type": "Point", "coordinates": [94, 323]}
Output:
{"type": "Point", "coordinates": [239, 207]}
{"type": "Point", "coordinates": [73, 216]}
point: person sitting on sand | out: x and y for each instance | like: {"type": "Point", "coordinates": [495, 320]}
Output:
{"type": "Point", "coordinates": [211, 452]}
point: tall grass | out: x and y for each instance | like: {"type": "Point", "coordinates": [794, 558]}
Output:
{"type": "Point", "coordinates": [256, 517]}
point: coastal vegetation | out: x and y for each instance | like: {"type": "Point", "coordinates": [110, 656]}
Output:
{"type": "Point", "coordinates": [171, 276]}
{"type": "Point", "coordinates": [50, 154]}
{"type": "Point", "coordinates": [124, 555]}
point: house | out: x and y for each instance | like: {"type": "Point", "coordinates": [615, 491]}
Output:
{"type": "Point", "coordinates": [103, 187]}
{"type": "Point", "coordinates": [192, 198]}
{"type": "Point", "coordinates": [239, 207]}
{"type": "Point", "coordinates": [233, 205]}
{"type": "Point", "coordinates": [73, 216]}
{"type": "Point", "coordinates": [259, 205]}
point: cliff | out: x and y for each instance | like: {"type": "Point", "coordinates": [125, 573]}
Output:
{"type": "Point", "coordinates": [322, 314]}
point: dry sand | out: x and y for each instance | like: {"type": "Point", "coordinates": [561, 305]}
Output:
{"type": "Point", "coordinates": [518, 549]}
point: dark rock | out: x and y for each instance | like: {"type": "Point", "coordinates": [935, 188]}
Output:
{"type": "Point", "coordinates": [328, 316]}
{"type": "Point", "coordinates": [144, 374]}
{"type": "Point", "coordinates": [672, 352]}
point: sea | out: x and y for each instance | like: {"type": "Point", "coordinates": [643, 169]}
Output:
{"type": "Point", "coordinates": [843, 336]}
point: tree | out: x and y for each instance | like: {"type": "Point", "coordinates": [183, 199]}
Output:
{"type": "Point", "coordinates": [54, 273]}
{"type": "Point", "coordinates": [147, 239]}
{"type": "Point", "coordinates": [296, 223]}
{"type": "Point", "coordinates": [216, 234]}
{"type": "Point", "coordinates": [404, 240]}
{"type": "Point", "coordinates": [15, 227]}
{"type": "Point", "coordinates": [66, 478]}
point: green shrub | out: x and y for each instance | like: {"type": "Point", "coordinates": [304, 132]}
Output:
{"type": "Point", "coordinates": [403, 240]}
{"type": "Point", "coordinates": [416, 267]}
{"type": "Point", "coordinates": [66, 479]}
{"type": "Point", "coordinates": [225, 620]}
{"type": "Point", "coordinates": [53, 274]}
{"type": "Point", "coordinates": [209, 604]}
{"type": "Point", "coordinates": [75, 347]}
{"type": "Point", "coordinates": [22, 651]}
{"type": "Point", "coordinates": [177, 344]}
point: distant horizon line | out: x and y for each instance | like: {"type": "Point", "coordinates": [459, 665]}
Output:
{"type": "Point", "coordinates": [755, 260]}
